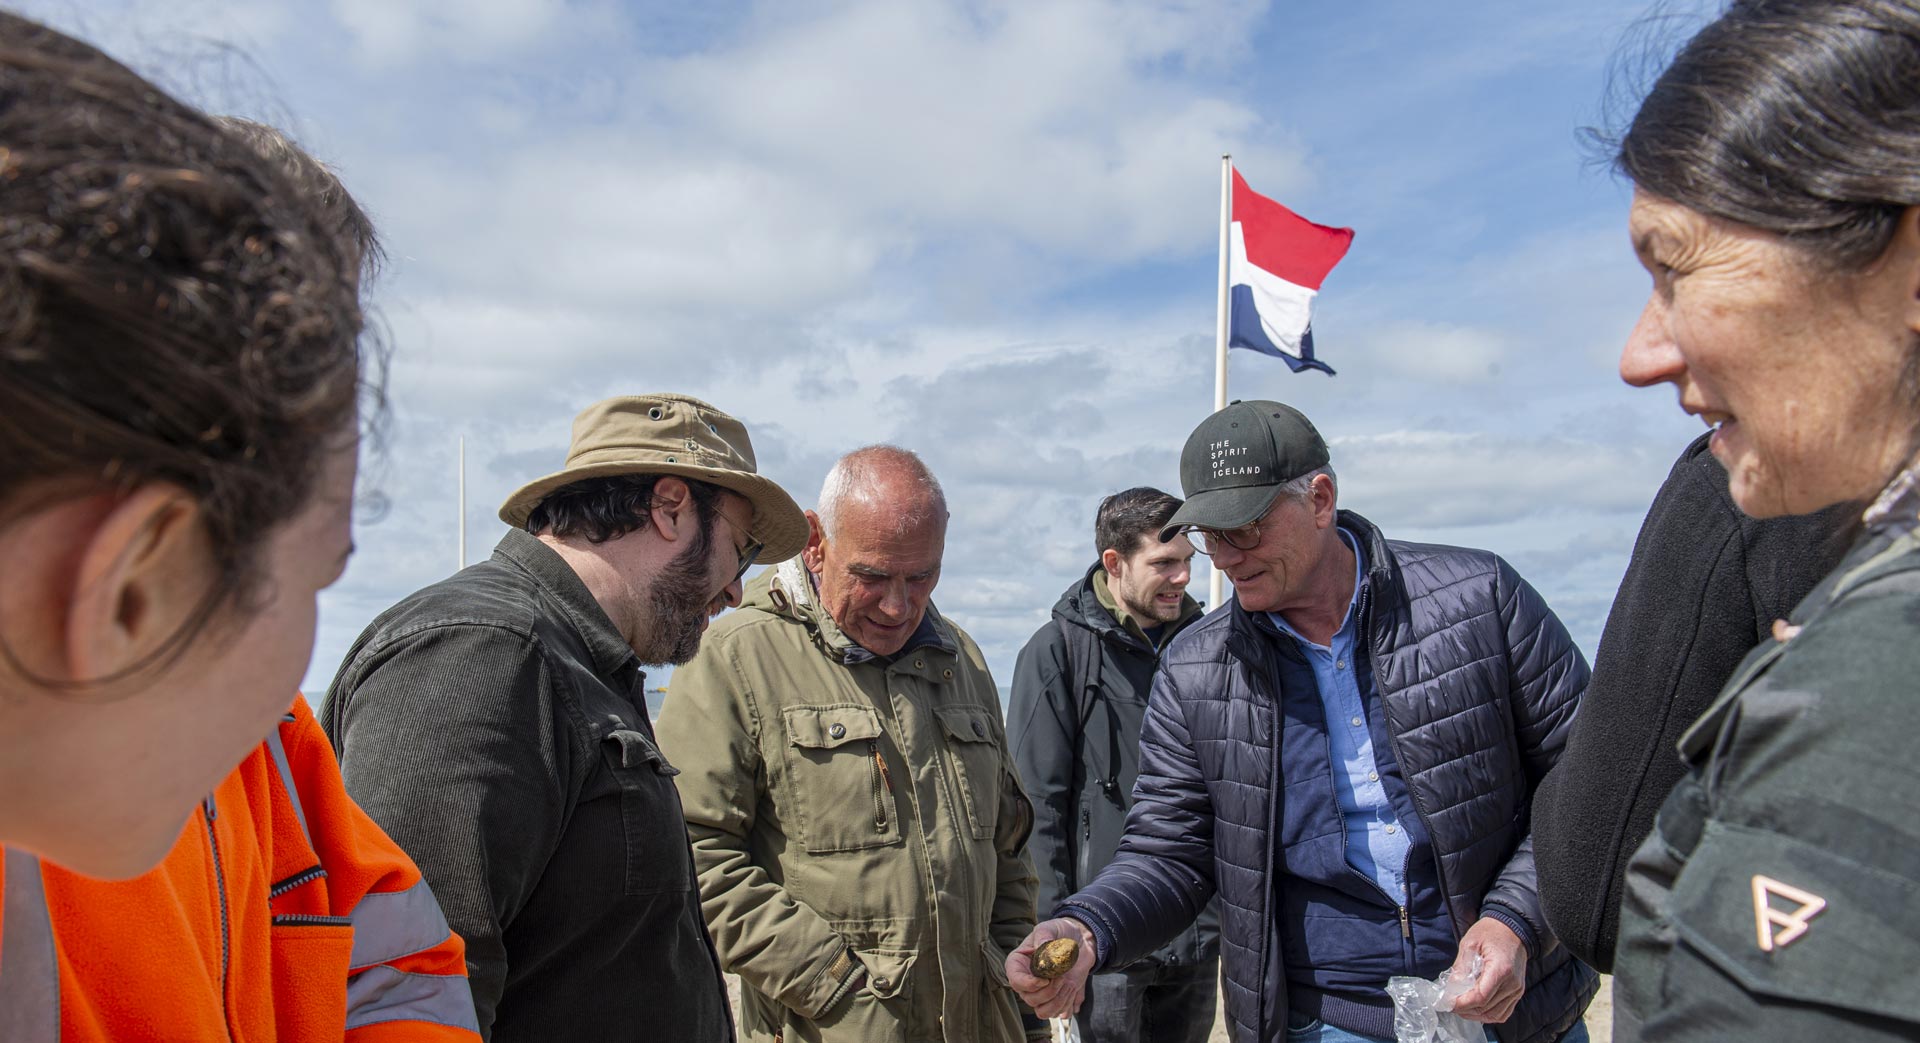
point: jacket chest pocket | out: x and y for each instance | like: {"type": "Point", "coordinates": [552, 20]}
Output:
{"type": "Point", "coordinates": [976, 765]}
{"type": "Point", "coordinates": [841, 784]}
{"type": "Point", "coordinates": [658, 859]}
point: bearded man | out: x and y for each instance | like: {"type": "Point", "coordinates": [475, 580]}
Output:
{"type": "Point", "coordinates": [495, 723]}
{"type": "Point", "coordinates": [1079, 696]}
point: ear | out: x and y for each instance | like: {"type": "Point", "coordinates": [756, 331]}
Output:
{"type": "Point", "coordinates": [675, 515]}
{"type": "Point", "coordinates": [1110, 560]}
{"type": "Point", "coordinates": [1902, 258]}
{"type": "Point", "coordinates": [144, 571]}
{"type": "Point", "coordinates": [814, 555]}
{"type": "Point", "coordinates": [1324, 507]}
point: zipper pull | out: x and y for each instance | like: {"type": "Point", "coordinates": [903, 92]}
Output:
{"type": "Point", "coordinates": [207, 804]}
{"type": "Point", "coordinates": [882, 776]}
{"type": "Point", "coordinates": [1406, 928]}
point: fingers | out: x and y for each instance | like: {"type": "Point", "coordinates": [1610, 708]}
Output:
{"type": "Point", "coordinates": [1061, 996]}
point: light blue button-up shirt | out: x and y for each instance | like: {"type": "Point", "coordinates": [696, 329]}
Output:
{"type": "Point", "coordinates": [1376, 844]}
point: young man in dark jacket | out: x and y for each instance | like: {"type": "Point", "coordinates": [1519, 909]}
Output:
{"type": "Point", "coordinates": [1345, 755]}
{"type": "Point", "coordinates": [1079, 695]}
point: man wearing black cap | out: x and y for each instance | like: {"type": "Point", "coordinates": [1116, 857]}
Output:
{"type": "Point", "coordinates": [1345, 754]}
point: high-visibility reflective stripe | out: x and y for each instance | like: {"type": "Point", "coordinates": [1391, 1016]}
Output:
{"type": "Point", "coordinates": [279, 752]}
{"type": "Point", "coordinates": [29, 973]}
{"type": "Point", "coordinates": [380, 994]}
{"type": "Point", "coordinates": [391, 925]}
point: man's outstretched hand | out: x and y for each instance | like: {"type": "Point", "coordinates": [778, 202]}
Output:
{"type": "Point", "coordinates": [1061, 996]}
{"type": "Point", "coordinates": [1503, 972]}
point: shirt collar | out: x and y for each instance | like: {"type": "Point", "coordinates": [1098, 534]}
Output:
{"type": "Point", "coordinates": [1359, 575]}
{"type": "Point", "coordinates": [564, 587]}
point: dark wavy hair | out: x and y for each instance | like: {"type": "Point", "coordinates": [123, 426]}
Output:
{"type": "Point", "coordinates": [172, 308]}
{"type": "Point", "coordinates": [1797, 117]}
{"type": "Point", "coordinates": [1126, 518]}
{"type": "Point", "coordinates": [602, 509]}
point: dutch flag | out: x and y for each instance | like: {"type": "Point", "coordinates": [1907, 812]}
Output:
{"type": "Point", "coordinates": [1275, 263]}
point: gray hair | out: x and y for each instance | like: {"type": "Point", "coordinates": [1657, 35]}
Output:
{"type": "Point", "coordinates": [855, 475]}
{"type": "Point", "coordinates": [1301, 487]}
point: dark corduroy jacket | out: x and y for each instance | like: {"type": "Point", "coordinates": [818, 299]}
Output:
{"type": "Point", "coordinates": [1705, 584]}
{"type": "Point", "coordinates": [495, 725]}
{"type": "Point", "coordinates": [1479, 683]}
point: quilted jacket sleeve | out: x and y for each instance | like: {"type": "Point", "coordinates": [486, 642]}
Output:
{"type": "Point", "coordinates": [1547, 675]}
{"type": "Point", "coordinates": [1162, 876]}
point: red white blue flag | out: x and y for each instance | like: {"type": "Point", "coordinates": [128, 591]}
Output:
{"type": "Point", "coordinates": [1276, 261]}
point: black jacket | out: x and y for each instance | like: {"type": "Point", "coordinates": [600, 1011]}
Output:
{"type": "Point", "coordinates": [1705, 584]}
{"type": "Point", "coordinates": [1080, 801]}
{"type": "Point", "coordinates": [1479, 683]}
{"type": "Point", "coordinates": [494, 724]}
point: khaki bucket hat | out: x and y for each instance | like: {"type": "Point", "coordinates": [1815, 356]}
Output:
{"type": "Point", "coordinates": [671, 434]}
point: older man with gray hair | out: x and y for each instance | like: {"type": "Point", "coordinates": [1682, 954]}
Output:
{"type": "Point", "coordinates": [857, 826]}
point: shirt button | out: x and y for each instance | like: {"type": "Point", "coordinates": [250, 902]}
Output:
{"type": "Point", "coordinates": [1391, 830]}
{"type": "Point", "coordinates": [1339, 664]}
{"type": "Point", "coordinates": [838, 731]}
{"type": "Point", "coordinates": [1357, 722]}
{"type": "Point", "coordinates": [1373, 776]}
{"type": "Point", "coordinates": [979, 729]}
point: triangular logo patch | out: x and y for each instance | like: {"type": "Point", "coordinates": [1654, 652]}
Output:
{"type": "Point", "coordinates": [1778, 925]}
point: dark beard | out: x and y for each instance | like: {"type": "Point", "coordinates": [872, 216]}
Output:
{"type": "Point", "coordinates": [677, 604]}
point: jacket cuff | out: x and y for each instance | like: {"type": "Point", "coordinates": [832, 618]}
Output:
{"type": "Point", "coordinates": [837, 978]}
{"type": "Point", "coordinates": [1515, 923]}
{"type": "Point", "coordinates": [1102, 934]}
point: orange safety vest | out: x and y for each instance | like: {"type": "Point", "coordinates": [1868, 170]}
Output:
{"type": "Point", "coordinates": [283, 913]}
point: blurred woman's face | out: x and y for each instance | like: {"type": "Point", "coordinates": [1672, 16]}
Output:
{"type": "Point", "coordinates": [100, 777]}
{"type": "Point", "coordinates": [1798, 373]}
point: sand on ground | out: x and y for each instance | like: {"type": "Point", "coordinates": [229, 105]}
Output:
{"type": "Point", "coordinates": [1599, 1016]}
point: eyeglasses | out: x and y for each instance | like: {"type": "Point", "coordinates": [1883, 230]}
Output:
{"type": "Point", "coordinates": [1209, 541]}
{"type": "Point", "coordinates": [748, 551]}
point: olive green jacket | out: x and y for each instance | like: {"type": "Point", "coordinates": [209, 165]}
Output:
{"type": "Point", "coordinates": [857, 825]}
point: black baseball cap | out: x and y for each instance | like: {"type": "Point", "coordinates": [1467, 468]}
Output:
{"type": "Point", "coordinates": [1236, 460]}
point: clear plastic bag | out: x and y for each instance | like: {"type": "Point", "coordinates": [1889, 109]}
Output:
{"type": "Point", "coordinates": [1422, 1009]}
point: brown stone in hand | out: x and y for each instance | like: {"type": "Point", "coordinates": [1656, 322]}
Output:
{"type": "Point", "coordinates": [1055, 957]}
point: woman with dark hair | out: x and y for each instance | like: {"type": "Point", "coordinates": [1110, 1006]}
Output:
{"type": "Point", "coordinates": [1776, 166]}
{"type": "Point", "coordinates": [179, 368]}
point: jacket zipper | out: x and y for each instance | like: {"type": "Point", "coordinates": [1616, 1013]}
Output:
{"type": "Point", "coordinates": [1413, 792]}
{"type": "Point", "coordinates": [882, 786]}
{"type": "Point", "coordinates": [220, 886]}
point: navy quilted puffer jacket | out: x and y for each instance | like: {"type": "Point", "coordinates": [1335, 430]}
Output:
{"type": "Point", "coordinates": [1479, 682]}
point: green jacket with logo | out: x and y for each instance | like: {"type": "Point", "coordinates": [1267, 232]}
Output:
{"type": "Point", "coordinates": [1778, 898]}
{"type": "Point", "coordinates": [857, 826]}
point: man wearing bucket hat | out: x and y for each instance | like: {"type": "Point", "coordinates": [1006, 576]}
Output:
{"type": "Point", "coordinates": [1424, 689]}
{"type": "Point", "coordinates": [495, 724]}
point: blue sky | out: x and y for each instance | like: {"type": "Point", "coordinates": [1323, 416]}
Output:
{"type": "Point", "coordinates": [984, 231]}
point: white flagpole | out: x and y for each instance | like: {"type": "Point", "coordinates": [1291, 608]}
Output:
{"type": "Point", "coordinates": [1217, 582]}
{"type": "Point", "coordinates": [462, 562]}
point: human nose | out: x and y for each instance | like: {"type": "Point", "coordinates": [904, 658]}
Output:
{"type": "Point", "coordinates": [1182, 573]}
{"type": "Point", "coordinates": [894, 603]}
{"type": "Point", "coordinates": [1225, 554]}
{"type": "Point", "coordinates": [1650, 355]}
{"type": "Point", "coordinates": [735, 592]}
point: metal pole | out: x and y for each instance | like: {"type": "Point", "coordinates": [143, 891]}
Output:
{"type": "Point", "coordinates": [1217, 581]}
{"type": "Point", "coordinates": [462, 562]}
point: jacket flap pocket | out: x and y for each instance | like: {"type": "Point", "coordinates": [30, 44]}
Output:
{"type": "Point", "coordinates": [825, 727]}
{"type": "Point", "coordinates": [967, 723]}
{"type": "Point", "coordinates": [638, 751]}
{"type": "Point", "coordinates": [886, 970]}
{"type": "Point", "coordinates": [1792, 919]}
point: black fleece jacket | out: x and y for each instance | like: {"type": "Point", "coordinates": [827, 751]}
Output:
{"type": "Point", "coordinates": [1703, 587]}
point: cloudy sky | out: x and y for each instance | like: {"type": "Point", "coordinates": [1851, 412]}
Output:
{"type": "Point", "coordinates": [983, 230]}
